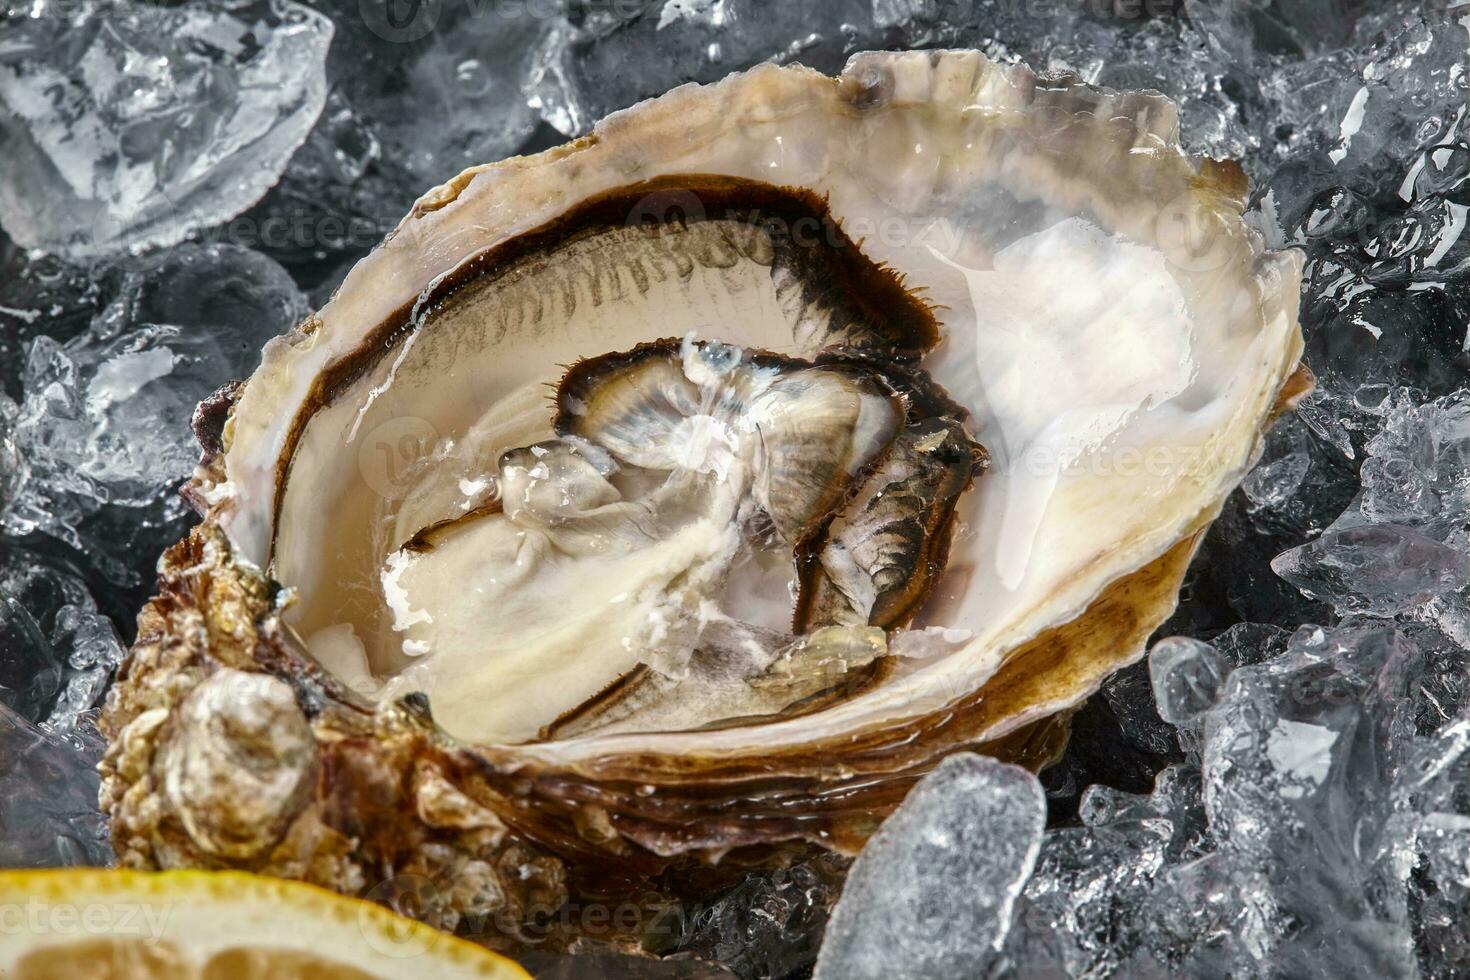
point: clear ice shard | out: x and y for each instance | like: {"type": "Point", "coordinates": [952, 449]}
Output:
{"type": "Point", "coordinates": [1084, 910]}
{"type": "Point", "coordinates": [1417, 470]}
{"type": "Point", "coordinates": [1275, 483]}
{"type": "Point", "coordinates": [56, 650]}
{"type": "Point", "coordinates": [1287, 851]}
{"type": "Point", "coordinates": [1299, 762]}
{"type": "Point", "coordinates": [104, 418]}
{"type": "Point", "coordinates": [1379, 103]}
{"type": "Point", "coordinates": [1378, 569]}
{"type": "Point", "coordinates": [48, 796]}
{"type": "Point", "coordinates": [1187, 676]}
{"type": "Point", "coordinates": [932, 895]}
{"type": "Point", "coordinates": [1244, 27]}
{"type": "Point", "coordinates": [127, 125]}
{"type": "Point", "coordinates": [769, 925]}
{"type": "Point", "coordinates": [1436, 784]}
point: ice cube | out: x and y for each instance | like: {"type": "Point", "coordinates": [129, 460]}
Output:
{"type": "Point", "coordinates": [105, 416]}
{"type": "Point", "coordinates": [1130, 696]}
{"type": "Point", "coordinates": [30, 670]}
{"type": "Point", "coordinates": [1382, 103]}
{"type": "Point", "coordinates": [58, 650]}
{"type": "Point", "coordinates": [1187, 676]}
{"type": "Point", "coordinates": [42, 294]}
{"type": "Point", "coordinates": [128, 124]}
{"type": "Point", "coordinates": [1380, 569]}
{"type": "Point", "coordinates": [1299, 759]}
{"type": "Point", "coordinates": [770, 924]}
{"type": "Point", "coordinates": [932, 894]}
{"type": "Point", "coordinates": [1273, 484]}
{"type": "Point", "coordinates": [1293, 862]}
{"type": "Point", "coordinates": [1248, 29]}
{"type": "Point", "coordinates": [1079, 914]}
{"type": "Point", "coordinates": [1417, 470]}
{"type": "Point", "coordinates": [1251, 643]}
{"type": "Point", "coordinates": [48, 796]}
{"type": "Point", "coordinates": [93, 651]}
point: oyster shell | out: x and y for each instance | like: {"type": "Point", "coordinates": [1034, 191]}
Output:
{"type": "Point", "coordinates": [628, 509]}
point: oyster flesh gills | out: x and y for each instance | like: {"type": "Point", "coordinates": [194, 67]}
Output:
{"type": "Point", "coordinates": [681, 495]}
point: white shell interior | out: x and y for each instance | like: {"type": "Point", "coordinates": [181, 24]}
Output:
{"type": "Point", "coordinates": [1118, 332]}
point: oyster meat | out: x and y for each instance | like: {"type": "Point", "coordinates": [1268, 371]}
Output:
{"type": "Point", "coordinates": [674, 499]}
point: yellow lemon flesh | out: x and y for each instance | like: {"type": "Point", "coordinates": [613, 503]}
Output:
{"type": "Point", "coordinates": [215, 925]}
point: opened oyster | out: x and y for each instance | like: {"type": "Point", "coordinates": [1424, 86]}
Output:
{"type": "Point", "coordinates": [678, 497]}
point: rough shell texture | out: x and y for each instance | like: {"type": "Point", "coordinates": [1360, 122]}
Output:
{"type": "Point", "coordinates": [363, 797]}
{"type": "Point", "coordinates": [302, 787]}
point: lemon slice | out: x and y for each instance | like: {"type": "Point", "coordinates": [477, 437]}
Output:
{"type": "Point", "coordinates": [215, 925]}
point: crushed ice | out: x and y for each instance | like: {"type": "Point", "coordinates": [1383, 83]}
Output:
{"type": "Point", "coordinates": [1282, 789]}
